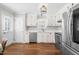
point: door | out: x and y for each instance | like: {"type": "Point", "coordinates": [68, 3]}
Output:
{"type": "Point", "coordinates": [33, 37]}
{"type": "Point", "coordinates": [19, 29]}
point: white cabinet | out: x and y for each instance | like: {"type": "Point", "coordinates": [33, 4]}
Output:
{"type": "Point", "coordinates": [51, 22]}
{"type": "Point", "coordinates": [54, 21]}
{"type": "Point", "coordinates": [45, 37]}
{"type": "Point", "coordinates": [40, 37]}
{"type": "Point", "coordinates": [49, 37]}
{"type": "Point", "coordinates": [26, 37]}
{"type": "Point", "coordinates": [31, 20]}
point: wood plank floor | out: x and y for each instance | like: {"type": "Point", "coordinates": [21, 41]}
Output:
{"type": "Point", "coordinates": [32, 49]}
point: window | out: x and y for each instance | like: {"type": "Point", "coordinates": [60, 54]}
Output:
{"type": "Point", "coordinates": [6, 23]}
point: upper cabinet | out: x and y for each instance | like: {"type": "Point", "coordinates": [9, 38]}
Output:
{"type": "Point", "coordinates": [31, 20]}
{"type": "Point", "coordinates": [54, 21]}
{"type": "Point", "coordinates": [50, 21]}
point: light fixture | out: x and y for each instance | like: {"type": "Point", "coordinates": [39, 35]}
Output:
{"type": "Point", "coordinates": [43, 9]}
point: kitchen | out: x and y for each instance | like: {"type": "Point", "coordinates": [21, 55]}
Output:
{"type": "Point", "coordinates": [27, 26]}
{"type": "Point", "coordinates": [38, 24]}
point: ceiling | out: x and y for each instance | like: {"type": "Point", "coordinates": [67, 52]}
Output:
{"type": "Point", "coordinates": [33, 7]}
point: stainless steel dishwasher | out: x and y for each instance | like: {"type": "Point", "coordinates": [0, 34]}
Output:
{"type": "Point", "coordinates": [33, 37]}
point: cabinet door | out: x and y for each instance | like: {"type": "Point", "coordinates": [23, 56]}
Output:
{"type": "Point", "coordinates": [34, 20]}
{"type": "Point", "coordinates": [40, 37]}
{"type": "Point", "coordinates": [51, 22]}
{"type": "Point", "coordinates": [49, 37]}
{"type": "Point", "coordinates": [31, 20]}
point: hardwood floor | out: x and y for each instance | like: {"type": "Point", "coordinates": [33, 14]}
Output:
{"type": "Point", "coordinates": [32, 49]}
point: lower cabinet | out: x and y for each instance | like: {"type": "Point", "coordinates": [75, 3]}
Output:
{"type": "Point", "coordinates": [45, 37]}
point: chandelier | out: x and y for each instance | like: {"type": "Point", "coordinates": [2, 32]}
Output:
{"type": "Point", "coordinates": [43, 10]}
